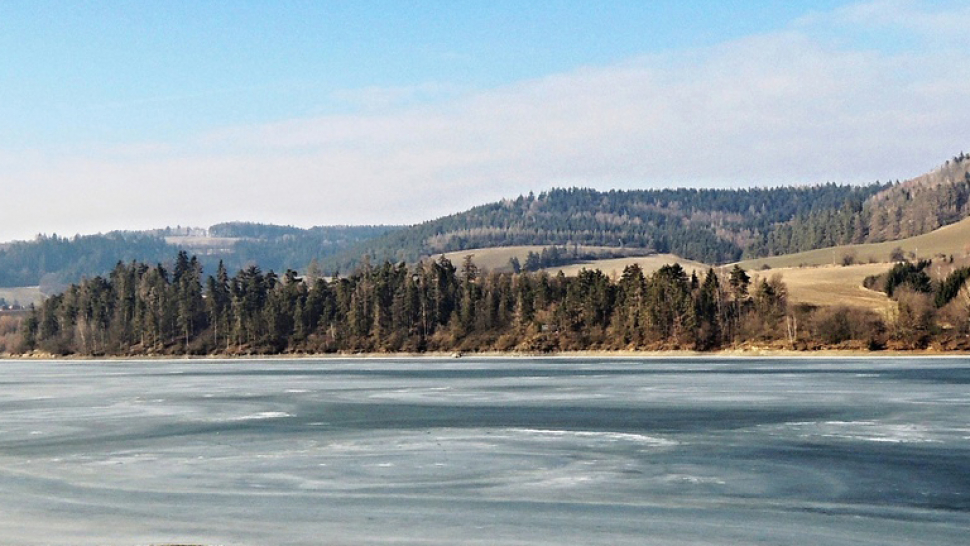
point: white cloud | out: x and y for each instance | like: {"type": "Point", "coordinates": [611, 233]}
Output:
{"type": "Point", "coordinates": [374, 98]}
{"type": "Point", "coordinates": [908, 15]}
{"type": "Point", "coordinates": [794, 106]}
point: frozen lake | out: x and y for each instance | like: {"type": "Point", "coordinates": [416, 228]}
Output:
{"type": "Point", "coordinates": [486, 451]}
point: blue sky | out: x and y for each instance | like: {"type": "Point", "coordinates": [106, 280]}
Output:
{"type": "Point", "coordinates": [122, 115]}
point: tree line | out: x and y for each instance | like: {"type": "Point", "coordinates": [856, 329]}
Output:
{"type": "Point", "coordinates": [140, 309]}
{"type": "Point", "coordinates": [557, 256]}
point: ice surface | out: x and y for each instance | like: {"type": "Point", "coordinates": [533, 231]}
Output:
{"type": "Point", "coordinates": [486, 451]}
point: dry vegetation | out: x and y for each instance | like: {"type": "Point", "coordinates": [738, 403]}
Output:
{"type": "Point", "coordinates": [614, 267]}
{"type": "Point", "coordinates": [201, 243]}
{"type": "Point", "coordinates": [833, 286]}
{"type": "Point", "coordinates": [952, 240]}
{"type": "Point", "coordinates": [497, 259]}
{"type": "Point", "coordinates": [820, 286]}
{"type": "Point", "coordinates": [24, 295]}
{"type": "Point", "coordinates": [9, 336]}
{"type": "Point", "coordinates": [493, 259]}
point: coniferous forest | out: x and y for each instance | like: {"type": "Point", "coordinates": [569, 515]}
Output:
{"type": "Point", "coordinates": [437, 306]}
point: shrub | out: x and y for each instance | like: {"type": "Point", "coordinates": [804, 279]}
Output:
{"type": "Point", "coordinates": [836, 325]}
{"type": "Point", "coordinates": [914, 321]}
{"type": "Point", "coordinates": [912, 275]}
{"type": "Point", "coordinates": [897, 255]}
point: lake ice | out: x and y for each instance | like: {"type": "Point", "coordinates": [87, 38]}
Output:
{"type": "Point", "coordinates": [486, 451]}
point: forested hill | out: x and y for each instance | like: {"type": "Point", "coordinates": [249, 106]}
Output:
{"type": "Point", "coordinates": [707, 225]}
{"type": "Point", "coordinates": [53, 262]}
{"type": "Point", "coordinates": [714, 226]}
{"type": "Point", "coordinates": [914, 207]}
{"type": "Point", "coordinates": [286, 247]}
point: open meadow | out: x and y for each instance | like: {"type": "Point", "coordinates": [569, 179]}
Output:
{"type": "Point", "coordinates": [831, 285]}
{"type": "Point", "coordinates": [497, 259]}
{"type": "Point", "coordinates": [952, 240]}
{"type": "Point", "coordinates": [24, 295]}
{"type": "Point", "coordinates": [613, 267]}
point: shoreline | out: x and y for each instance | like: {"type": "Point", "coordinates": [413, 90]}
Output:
{"type": "Point", "coordinates": [752, 352]}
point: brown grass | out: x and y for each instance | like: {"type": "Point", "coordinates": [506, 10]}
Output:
{"type": "Point", "coordinates": [949, 240]}
{"type": "Point", "coordinates": [832, 285]}
{"type": "Point", "coordinates": [497, 259]}
{"type": "Point", "coordinates": [613, 267]}
{"type": "Point", "coordinates": [24, 295]}
{"type": "Point", "coordinates": [822, 286]}
{"type": "Point", "coordinates": [191, 242]}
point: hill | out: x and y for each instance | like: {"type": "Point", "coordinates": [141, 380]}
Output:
{"type": "Point", "coordinates": [832, 285]}
{"type": "Point", "coordinates": [713, 226]}
{"type": "Point", "coordinates": [55, 261]}
{"type": "Point", "coordinates": [901, 210]}
{"type": "Point", "coordinates": [819, 285]}
{"type": "Point", "coordinates": [284, 247]}
{"type": "Point", "coordinates": [23, 296]}
{"type": "Point", "coordinates": [952, 240]}
{"type": "Point", "coordinates": [613, 267]}
{"type": "Point", "coordinates": [705, 225]}
{"type": "Point", "coordinates": [500, 258]}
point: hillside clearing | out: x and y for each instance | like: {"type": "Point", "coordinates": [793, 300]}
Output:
{"type": "Point", "coordinates": [497, 258]}
{"type": "Point", "coordinates": [948, 240]}
{"type": "Point", "coordinates": [832, 285]}
{"type": "Point", "coordinates": [613, 267]}
{"type": "Point", "coordinates": [820, 285]}
{"type": "Point", "coordinates": [24, 295]}
{"type": "Point", "coordinates": [202, 243]}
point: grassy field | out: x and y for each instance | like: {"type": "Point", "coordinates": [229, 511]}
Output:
{"type": "Point", "coordinates": [202, 243]}
{"type": "Point", "coordinates": [497, 259]}
{"type": "Point", "coordinates": [613, 267]}
{"type": "Point", "coordinates": [832, 285]}
{"type": "Point", "coordinates": [949, 240]}
{"type": "Point", "coordinates": [24, 295]}
{"type": "Point", "coordinates": [822, 286]}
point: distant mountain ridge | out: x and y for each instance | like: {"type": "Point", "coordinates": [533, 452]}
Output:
{"type": "Point", "coordinates": [53, 261]}
{"type": "Point", "coordinates": [706, 225]}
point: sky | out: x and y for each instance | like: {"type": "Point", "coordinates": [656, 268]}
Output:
{"type": "Point", "coordinates": [139, 115]}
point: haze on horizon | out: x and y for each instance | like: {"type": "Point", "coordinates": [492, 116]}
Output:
{"type": "Point", "coordinates": [135, 116]}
